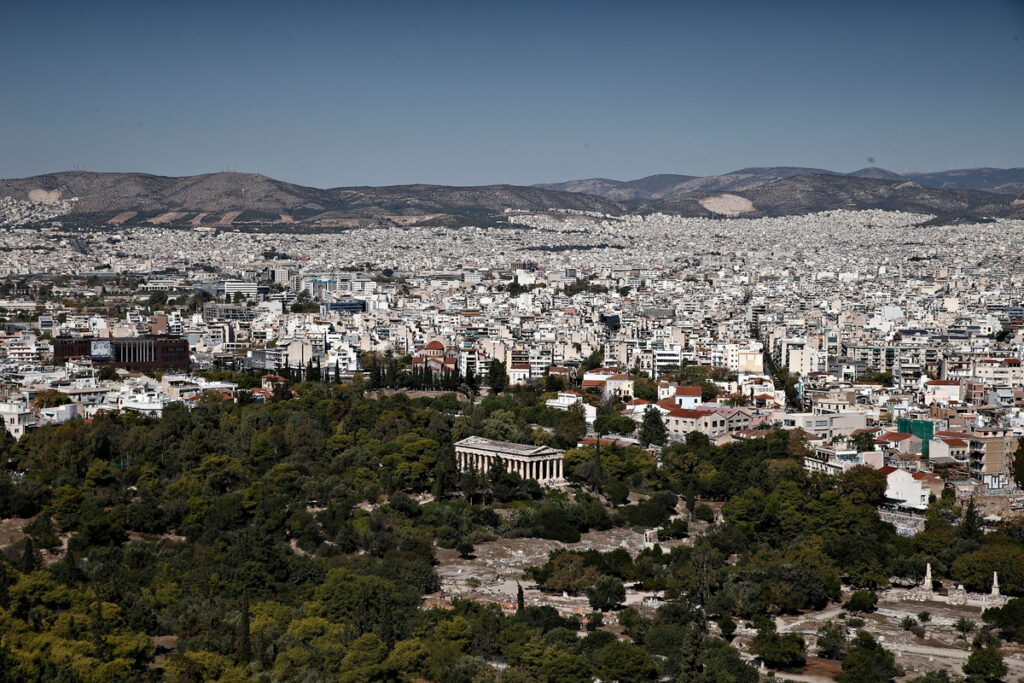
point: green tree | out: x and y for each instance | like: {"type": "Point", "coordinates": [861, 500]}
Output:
{"type": "Point", "coordinates": [606, 593]}
{"type": "Point", "coordinates": [617, 492]}
{"type": "Point", "coordinates": [625, 662]}
{"type": "Point", "coordinates": [1018, 463]}
{"type": "Point", "coordinates": [867, 662]}
{"type": "Point", "coordinates": [974, 570]}
{"type": "Point", "coordinates": [592, 361]}
{"type": "Point", "coordinates": [704, 513]}
{"type": "Point", "coordinates": [652, 429]}
{"type": "Point", "coordinates": [370, 603]}
{"type": "Point", "coordinates": [986, 665]}
{"type": "Point", "coordinates": [569, 574]}
{"type": "Point", "coordinates": [554, 383]}
{"type": "Point", "coordinates": [50, 398]}
{"type": "Point", "coordinates": [970, 527]}
{"type": "Point", "coordinates": [832, 641]}
{"type": "Point", "coordinates": [614, 424]}
{"type": "Point", "coordinates": [570, 428]}
{"type": "Point", "coordinates": [565, 667]}
{"type": "Point", "coordinates": [363, 660]}
{"type": "Point", "coordinates": [497, 376]}
{"type": "Point", "coordinates": [964, 626]}
{"type": "Point", "coordinates": [1009, 619]}
{"type": "Point", "coordinates": [862, 601]}
{"type": "Point", "coordinates": [864, 485]}
{"type": "Point", "coordinates": [865, 441]}
{"type": "Point", "coordinates": [779, 651]}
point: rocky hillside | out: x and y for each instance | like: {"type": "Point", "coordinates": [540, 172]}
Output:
{"type": "Point", "coordinates": [252, 200]}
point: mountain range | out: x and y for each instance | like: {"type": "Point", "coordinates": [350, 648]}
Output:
{"type": "Point", "coordinates": [1000, 180]}
{"type": "Point", "coordinates": [259, 202]}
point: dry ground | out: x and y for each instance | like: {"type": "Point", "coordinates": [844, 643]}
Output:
{"type": "Point", "coordinates": [122, 217]}
{"type": "Point", "coordinates": [727, 204]}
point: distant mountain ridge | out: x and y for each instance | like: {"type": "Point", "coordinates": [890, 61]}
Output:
{"type": "Point", "coordinates": [263, 198]}
{"type": "Point", "coordinates": [1003, 181]}
{"type": "Point", "coordinates": [254, 201]}
{"type": "Point", "coordinates": [816, 192]}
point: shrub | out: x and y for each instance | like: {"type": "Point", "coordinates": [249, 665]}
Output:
{"type": "Point", "coordinates": [704, 513]}
{"type": "Point", "coordinates": [861, 601]}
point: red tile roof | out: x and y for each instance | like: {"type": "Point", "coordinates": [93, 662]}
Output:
{"type": "Point", "coordinates": [893, 436]}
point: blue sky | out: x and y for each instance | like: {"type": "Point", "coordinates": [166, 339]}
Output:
{"type": "Point", "coordinates": [346, 93]}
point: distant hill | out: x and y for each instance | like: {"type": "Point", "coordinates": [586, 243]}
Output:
{"type": "Point", "coordinates": [144, 192]}
{"type": "Point", "coordinates": [814, 192]}
{"type": "Point", "coordinates": [257, 197]}
{"type": "Point", "coordinates": [1004, 181]}
{"type": "Point", "coordinates": [668, 185]}
{"type": "Point", "coordinates": [257, 202]}
{"type": "Point", "coordinates": [664, 185]}
{"type": "Point", "coordinates": [877, 173]}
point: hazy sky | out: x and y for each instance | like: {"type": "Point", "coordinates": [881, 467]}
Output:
{"type": "Point", "coordinates": [340, 93]}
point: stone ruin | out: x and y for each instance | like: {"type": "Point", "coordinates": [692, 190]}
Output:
{"type": "Point", "coordinates": [954, 596]}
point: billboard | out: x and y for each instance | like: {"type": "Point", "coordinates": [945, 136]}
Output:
{"type": "Point", "coordinates": [101, 350]}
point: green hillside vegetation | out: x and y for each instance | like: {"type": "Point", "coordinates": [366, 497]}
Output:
{"type": "Point", "coordinates": [283, 542]}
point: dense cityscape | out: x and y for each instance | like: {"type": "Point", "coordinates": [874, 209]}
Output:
{"type": "Point", "coordinates": [593, 420]}
{"type": "Point", "coordinates": [512, 342]}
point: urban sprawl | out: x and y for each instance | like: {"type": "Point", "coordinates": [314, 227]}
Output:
{"type": "Point", "coordinates": [889, 340]}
